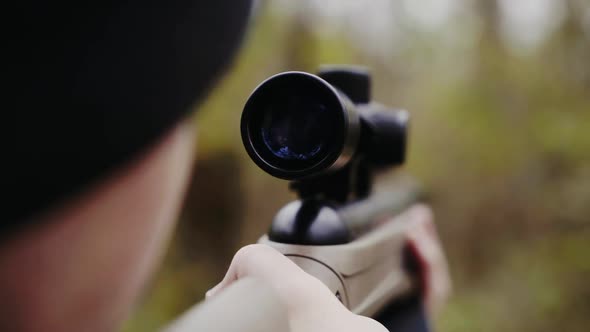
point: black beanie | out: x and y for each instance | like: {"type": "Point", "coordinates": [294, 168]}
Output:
{"type": "Point", "coordinates": [91, 84]}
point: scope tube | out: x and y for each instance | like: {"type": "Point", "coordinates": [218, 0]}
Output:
{"type": "Point", "coordinates": [296, 125]}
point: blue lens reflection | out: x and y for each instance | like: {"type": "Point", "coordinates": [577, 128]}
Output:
{"type": "Point", "coordinates": [297, 130]}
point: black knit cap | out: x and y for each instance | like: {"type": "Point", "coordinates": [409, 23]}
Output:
{"type": "Point", "coordinates": [92, 84]}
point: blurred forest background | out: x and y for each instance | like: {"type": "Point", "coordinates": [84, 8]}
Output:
{"type": "Point", "coordinates": [499, 92]}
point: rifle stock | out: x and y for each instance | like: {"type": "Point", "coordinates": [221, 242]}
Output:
{"type": "Point", "coordinates": [368, 274]}
{"type": "Point", "coordinates": [365, 272]}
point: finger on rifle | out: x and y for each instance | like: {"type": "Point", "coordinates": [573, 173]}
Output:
{"type": "Point", "coordinates": [424, 243]}
{"type": "Point", "coordinates": [258, 261]}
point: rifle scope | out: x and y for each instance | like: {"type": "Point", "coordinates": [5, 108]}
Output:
{"type": "Point", "coordinates": [296, 125]}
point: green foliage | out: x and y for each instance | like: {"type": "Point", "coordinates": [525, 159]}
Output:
{"type": "Point", "coordinates": [540, 285]}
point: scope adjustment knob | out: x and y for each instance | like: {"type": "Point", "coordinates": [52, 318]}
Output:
{"type": "Point", "coordinates": [353, 81]}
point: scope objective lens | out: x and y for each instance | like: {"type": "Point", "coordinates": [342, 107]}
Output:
{"type": "Point", "coordinates": [298, 129]}
{"type": "Point", "coordinates": [296, 125]}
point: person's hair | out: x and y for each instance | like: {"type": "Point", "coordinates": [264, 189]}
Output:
{"type": "Point", "coordinates": [94, 83]}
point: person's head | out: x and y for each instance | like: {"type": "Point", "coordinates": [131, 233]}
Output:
{"type": "Point", "coordinates": [96, 149]}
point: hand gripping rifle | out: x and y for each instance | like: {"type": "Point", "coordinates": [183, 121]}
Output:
{"type": "Point", "coordinates": [325, 135]}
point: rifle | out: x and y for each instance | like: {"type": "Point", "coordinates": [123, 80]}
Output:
{"type": "Point", "coordinates": [324, 134]}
